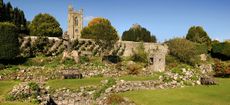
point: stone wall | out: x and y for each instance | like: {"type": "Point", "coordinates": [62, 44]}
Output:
{"type": "Point", "coordinates": [156, 52]}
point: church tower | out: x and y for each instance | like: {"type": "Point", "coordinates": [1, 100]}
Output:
{"type": "Point", "coordinates": [75, 23]}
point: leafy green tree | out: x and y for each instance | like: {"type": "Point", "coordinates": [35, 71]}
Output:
{"type": "Point", "coordinates": [45, 25]}
{"type": "Point", "coordinates": [104, 34]}
{"type": "Point", "coordinates": [138, 34]}
{"type": "Point", "coordinates": [199, 35]}
{"type": "Point", "coordinates": [9, 45]}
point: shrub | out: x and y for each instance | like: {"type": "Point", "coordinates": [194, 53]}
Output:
{"type": "Point", "coordinates": [2, 67]}
{"type": "Point", "coordinates": [114, 99]}
{"type": "Point", "coordinates": [185, 50]}
{"type": "Point", "coordinates": [171, 61]}
{"type": "Point", "coordinates": [9, 45]}
{"type": "Point", "coordinates": [110, 83]}
{"type": "Point", "coordinates": [84, 59]}
{"type": "Point", "coordinates": [33, 86]}
{"type": "Point", "coordinates": [221, 69]}
{"type": "Point", "coordinates": [221, 50]}
{"type": "Point", "coordinates": [134, 69]}
{"type": "Point", "coordinates": [40, 46]}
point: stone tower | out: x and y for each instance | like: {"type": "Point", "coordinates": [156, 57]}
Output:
{"type": "Point", "coordinates": [75, 23]}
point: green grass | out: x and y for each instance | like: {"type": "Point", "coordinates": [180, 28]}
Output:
{"type": "Point", "coordinates": [198, 95]}
{"type": "Point", "coordinates": [16, 103]}
{"type": "Point", "coordinates": [73, 83]}
{"type": "Point", "coordinates": [137, 78]}
{"type": "Point", "coordinates": [5, 87]}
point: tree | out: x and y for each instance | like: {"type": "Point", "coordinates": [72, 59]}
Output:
{"type": "Point", "coordinates": [138, 34]}
{"type": "Point", "coordinates": [104, 34]}
{"type": "Point", "coordinates": [13, 15]}
{"type": "Point", "coordinates": [198, 35]}
{"type": "Point", "coordinates": [1, 3]}
{"type": "Point", "coordinates": [1, 10]}
{"type": "Point", "coordinates": [45, 25]}
{"type": "Point", "coordinates": [9, 45]}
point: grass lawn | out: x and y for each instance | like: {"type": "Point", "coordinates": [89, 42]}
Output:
{"type": "Point", "coordinates": [5, 87]}
{"type": "Point", "coordinates": [74, 83]}
{"type": "Point", "coordinates": [137, 78]}
{"type": "Point", "coordinates": [198, 95]}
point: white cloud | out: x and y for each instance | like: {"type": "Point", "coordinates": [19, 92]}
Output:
{"type": "Point", "coordinates": [88, 18]}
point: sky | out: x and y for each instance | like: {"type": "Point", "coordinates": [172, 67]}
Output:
{"type": "Point", "coordinates": [165, 19]}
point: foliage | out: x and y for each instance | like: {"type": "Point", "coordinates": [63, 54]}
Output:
{"type": "Point", "coordinates": [104, 34]}
{"type": "Point", "coordinates": [172, 61]}
{"type": "Point", "coordinates": [9, 45]}
{"type": "Point", "coordinates": [45, 25]}
{"type": "Point", "coordinates": [198, 35]}
{"type": "Point", "coordinates": [185, 50]}
{"type": "Point", "coordinates": [40, 46]}
{"type": "Point", "coordinates": [221, 69]}
{"type": "Point", "coordinates": [114, 99]}
{"type": "Point", "coordinates": [140, 55]}
{"type": "Point", "coordinates": [33, 86]}
{"type": "Point", "coordinates": [13, 15]}
{"type": "Point", "coordinates": [2, 66]}
{"type": "Point", "coordinates": [138, 34]}
{"type": "Point", "coordinates": [221, 50]}
{"type": "Point", "coordinates": [134, 69]}
{"type": "Point", "coordinates": [83, 59]}
{"type": "Point", "coordinates": [110, 83]}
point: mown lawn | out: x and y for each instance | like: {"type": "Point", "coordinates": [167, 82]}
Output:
{"type": "Point", "coordinates": [5, 87]}
{"type": "Point", "coordinates": [77, 83]}
{"type": "Point", "coordinates": [74, 83]}
{"type": "Point", "coordinates": [198, 95]}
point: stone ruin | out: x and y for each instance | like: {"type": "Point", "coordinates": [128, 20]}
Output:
{"type": "Point", "coordinates": [156, 52]}
{"type": "Point", "coordinates": [75, 23]}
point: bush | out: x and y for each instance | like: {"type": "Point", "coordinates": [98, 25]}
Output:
{"type": "Point", "coordinates": [110, 83]}
{"type": "Point", "coordinates": [9, 44]}
{"type": "Point", "coordinates": [84, 59]}
{"type": "Point", "coordinates": [221, 50]}
{"type": "Point", "coordinates": [33, 86]}
{"type": "Point", "coordinates": [221, 69]}
{"type": "Point", "coordinates": [2, 67]}
{"type": "Point", "coordinates": [114, 99]}
{"type": "Point", "coordinates": [134, 69]}
{"type": "Point", "coordinates": [40, 46]}
{"type": "Point", "coordinates": [185, 50]}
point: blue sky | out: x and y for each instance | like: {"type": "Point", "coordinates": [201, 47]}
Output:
{"type": "Point", "coordinates": [164, 18]}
